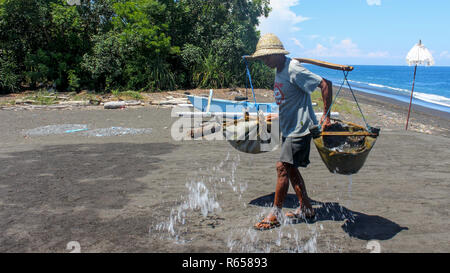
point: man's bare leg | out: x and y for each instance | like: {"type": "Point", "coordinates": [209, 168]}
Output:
{"type": "Point", "coordinates": [298, 184]}
{"type": "Point", "coordinates": [280, 194]}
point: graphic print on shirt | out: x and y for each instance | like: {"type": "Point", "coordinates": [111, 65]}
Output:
{"type": "Point", "coordinates": [278, 94]}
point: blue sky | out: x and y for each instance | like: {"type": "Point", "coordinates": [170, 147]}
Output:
{"type": "Point", "coordinates": [379, 32]}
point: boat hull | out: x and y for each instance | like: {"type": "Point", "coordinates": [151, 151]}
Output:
{"type": "Point", "coordinates": [220, 105]}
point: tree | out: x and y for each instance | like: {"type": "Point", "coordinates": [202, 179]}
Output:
{"type": "Point", "coordinates": [47, 45]}
{"type": "Point", "coordinates": [128, 44]}
{"type": "Point", "coordinates": [136, 47]}
{"type": "Point", "coordinates": [213, 36]}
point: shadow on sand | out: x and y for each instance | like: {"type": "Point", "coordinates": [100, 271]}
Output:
{"type": "Point", "coordinates": [356, 224]}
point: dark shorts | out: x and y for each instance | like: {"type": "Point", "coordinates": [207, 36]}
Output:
{"type": "Point", "coordinates": [295, 150]}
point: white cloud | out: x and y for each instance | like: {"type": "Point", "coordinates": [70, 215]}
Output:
{"type": "Point", "coordinates": [297, 43]}
{"type": "Point", "coordinates": [445, 54]}
{"type": "Point", "coordinates": [348, 48]}
{"type": "Point", "coordinates": [285, 22]}
{"type": "Point", "coordinates": [281, 18]}
{"type": "Point", "coordinates": [320, 51]}
{"type": "Point", "coordinates": [344, 49]}
{"type": "Point", "coordinates": [282, 8]}
{"type": "Point", "coordinates": [374, 2]}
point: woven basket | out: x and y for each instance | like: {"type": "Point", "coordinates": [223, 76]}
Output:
{"type": "Point", "coordinates": [345, 151]}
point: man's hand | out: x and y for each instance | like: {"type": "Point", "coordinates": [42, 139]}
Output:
{"type": "Point", "coordinates": [325, 121]}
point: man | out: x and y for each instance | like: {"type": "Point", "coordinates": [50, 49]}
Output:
{"type": "Point", "coordinates": [292, 88]}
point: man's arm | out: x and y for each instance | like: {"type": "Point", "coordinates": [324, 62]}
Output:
{"type": "Point", "coordinates": [327, 96]}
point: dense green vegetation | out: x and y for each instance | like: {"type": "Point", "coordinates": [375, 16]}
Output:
{"type": "Point", "coordinates": [108, 45]}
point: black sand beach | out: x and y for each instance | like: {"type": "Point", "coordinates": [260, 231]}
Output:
{"type": "Point", "coordinates": [150, 193]}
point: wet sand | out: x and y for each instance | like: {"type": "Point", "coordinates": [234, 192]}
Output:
{"type": "Point", "coordinates": [150, 193]}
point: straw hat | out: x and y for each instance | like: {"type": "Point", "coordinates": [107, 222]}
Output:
{"type": "Point", "coordinates": [269, 44]}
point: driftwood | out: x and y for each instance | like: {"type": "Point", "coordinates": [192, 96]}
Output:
{"type": "Point", "coordinates": [133, 102]}
{"type": "Point", "coordinates": [121, 104]}
{"type": "Point", "coordinates": [114, 105]}
{"type": "Point", "coordinates": [174, 101]}
{"type": "Point", "coordinates": [75, 103]}
{"type": "Point", "coordinates": [205, 129]}
{"type": "Point", "coordinates": [36, 107]}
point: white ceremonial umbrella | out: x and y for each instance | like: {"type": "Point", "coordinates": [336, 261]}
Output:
{"type": "Point", "coordinates": [418, 55]}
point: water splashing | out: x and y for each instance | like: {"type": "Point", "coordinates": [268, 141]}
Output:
{"type": "Point", "coordinates": [203, 193]}
{"type": "Point", "coordinates": [201, 199]}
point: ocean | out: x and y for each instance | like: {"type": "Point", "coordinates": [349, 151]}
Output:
{"type": "Point", "coordinates": [431, 90]}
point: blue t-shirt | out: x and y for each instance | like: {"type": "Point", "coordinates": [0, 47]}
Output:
{"type": "Point", "coordinates": [292, 91]}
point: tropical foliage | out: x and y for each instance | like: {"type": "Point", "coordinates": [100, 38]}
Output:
{"type": "Point", "coordinates": [149, 45]}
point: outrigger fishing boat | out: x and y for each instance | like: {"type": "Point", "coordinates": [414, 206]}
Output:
{"type": "Point", "coordinates": [235, 109]}
{"type": "Point", "coordinates": [209, 107]}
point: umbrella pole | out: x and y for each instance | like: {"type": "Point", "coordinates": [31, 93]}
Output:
{"type": "Point", "coordinates": [410, 101]}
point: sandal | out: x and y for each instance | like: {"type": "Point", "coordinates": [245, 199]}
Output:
{"type": "Point", "coordinates": [294, 216]}
{"type": "Point", "coordinates": [266, 224]}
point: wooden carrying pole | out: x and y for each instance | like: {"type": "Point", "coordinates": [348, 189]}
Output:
{"type": "Point", "coordinates": [318, 63]}
{"type": "Point", "coordinates": [325, 64]}
{"type": "Point", "coordinates": [358, 133]}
